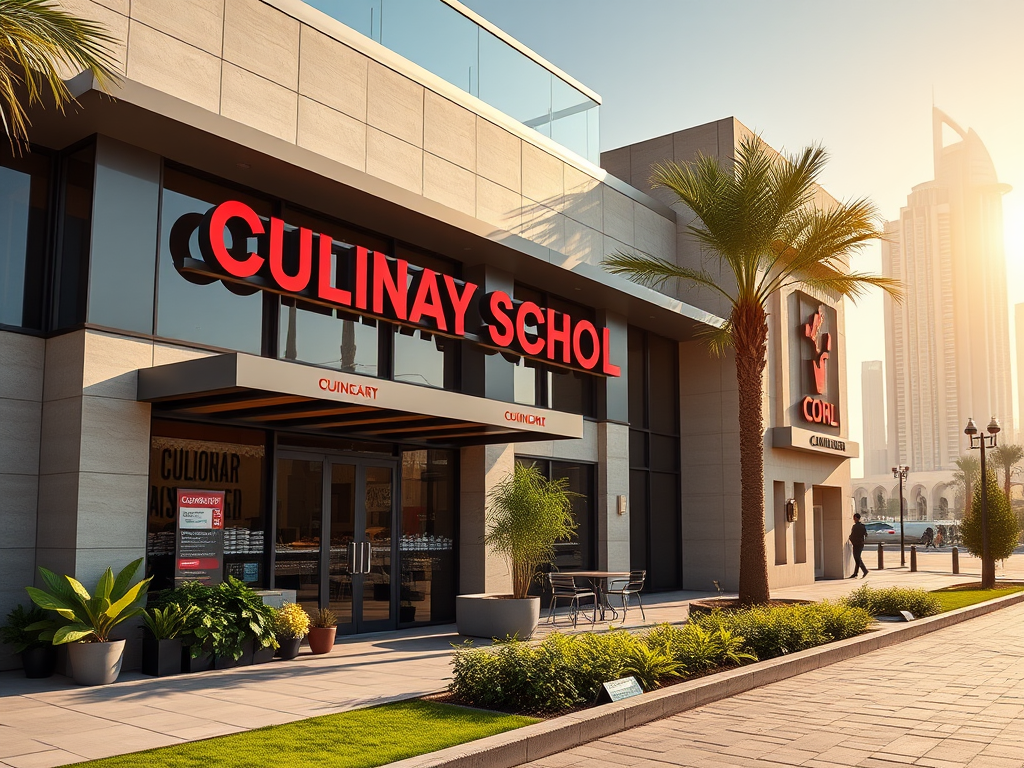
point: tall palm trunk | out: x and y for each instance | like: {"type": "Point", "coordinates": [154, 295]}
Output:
{"type": "Point", "coordinates": [750, 339]}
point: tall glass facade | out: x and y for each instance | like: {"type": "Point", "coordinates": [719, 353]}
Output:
{"type": "Point", "coordinates": [452, 46]}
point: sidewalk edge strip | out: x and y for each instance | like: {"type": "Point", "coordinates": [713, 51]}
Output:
{"type": "Point", "coordinates": [534, 742]}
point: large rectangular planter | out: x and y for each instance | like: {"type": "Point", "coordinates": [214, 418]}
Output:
{"type": "Point", "coordinates": [496, 616]}
{"type": "Point", "coordinates": [200, 663]}
{"type": "Point", "coordinates": [161, 658]}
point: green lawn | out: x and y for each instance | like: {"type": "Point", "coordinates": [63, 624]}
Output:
{"type": "Point", "coordinates": [952, 598]}
{"type": "Point", "coordinates": [362, 738]}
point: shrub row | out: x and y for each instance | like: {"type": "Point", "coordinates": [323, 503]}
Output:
{"type": "Point", "coordinates": [889, 601]}
{"type": "Point", "coordinates": [566, 671]}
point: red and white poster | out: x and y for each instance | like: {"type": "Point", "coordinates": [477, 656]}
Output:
{"type": "Point", "coordinates": [200, 541]}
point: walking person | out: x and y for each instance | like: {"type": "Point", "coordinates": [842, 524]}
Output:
{"type": "Point", "coordinates": [857, 535]}
{"type": "Point", "coordinates": [929, 538]}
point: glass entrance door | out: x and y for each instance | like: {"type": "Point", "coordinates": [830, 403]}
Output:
{"type": "Point", "coordinates": [349, 567]}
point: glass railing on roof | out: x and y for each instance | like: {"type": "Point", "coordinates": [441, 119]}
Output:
{"type": "Point", "coordinates": [452, 46]}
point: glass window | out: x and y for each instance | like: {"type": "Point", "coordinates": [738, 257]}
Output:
{"type": "Point", "coordinates": [580, 551]}
{"type": "Point", "coordinates": [665, 569]}
{"type": "Point", "coordinates": [514, 83]}
{"type": "Point", "coordinates": [427, 546]}
{"type": "Point", "coordinates": [435, 36]}
{"type": "Point", "coordinates": [24, 190]}
{"type": "Point", "coordinates": [300, 503]}
{"type": "Point", "coordinates": [212, 315]}
{"type": "Point", "coordinates": [310, 336]}
{"type": "Point", "coordinates": [361, 15]}
{"type": "Point", "coordinates": [524, 384]}
{"type": "Point", "coordinates": [637, 357]}
{"type": "Point", "coordinates": [421, 358]}
{"type": "Point", "coordinates": [571, 391]}
{"type": "Point", "coordinates": [73, 268]}
{"type": "Point", "coordinates": [207, 458]}
{"type": "Point", "coordinates": [664, 392]}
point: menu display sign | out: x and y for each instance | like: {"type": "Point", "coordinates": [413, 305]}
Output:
{"type": "Point", "coordinates": [199, 554]}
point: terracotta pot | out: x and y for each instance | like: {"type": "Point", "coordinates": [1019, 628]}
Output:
{"type": "Point", "coordinates": [96, 663]}
{"type": "Point", "coordinates": [289, 647]}
{"type": "Point", "coordinates": [321, 639]}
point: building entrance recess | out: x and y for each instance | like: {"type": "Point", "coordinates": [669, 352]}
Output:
{"type": "Point", "coordinates": [334, 543]}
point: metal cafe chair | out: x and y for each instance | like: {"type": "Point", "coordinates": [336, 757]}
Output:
{"type": "Point", "coordinates": [563, 587]}
{"type": "Point", "coordinates": [628, 588]}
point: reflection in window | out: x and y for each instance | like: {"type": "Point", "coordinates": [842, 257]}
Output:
{"type": "Point", "coordinates": [427, 546]}
{"type": "Point", "coordinates": [71, 281]}
{"type": "Point", "coordinates": [212, 314]}
{"type": "Point", "coordinates": [421, 358]}
{"type": "Point", "coordinates": [579, 553]}
{"type": "Point", "coordinates": [24, 189]}
{"type": "Point", "coordinates": [205, 457]}
{"type": "Point", "coordinates": [452, 46]}
{"type": "Point", "coordinates": [313, 336]}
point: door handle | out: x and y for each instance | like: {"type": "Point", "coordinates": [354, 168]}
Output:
{"type": "Point", "coordinates": [368, 557]}
{"type": "Point", "coordinates": [352, 558]}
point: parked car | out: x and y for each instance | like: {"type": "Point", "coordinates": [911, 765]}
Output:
{"type": "Point", "coordinates": [882, 533]}
{"type": "Point", "coordinates": [913, 532]}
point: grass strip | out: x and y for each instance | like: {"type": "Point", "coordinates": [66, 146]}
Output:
{"type": "Point", "coordinates": [964, 595]}
{"type": "Point", "coordinates": [362, 738]}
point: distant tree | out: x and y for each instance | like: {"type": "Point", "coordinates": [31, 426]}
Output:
{"type": "Point", "coordinates": [1007, 457]}
{"type": "Point", "coordinates": [1003, 529]}
{"type": "Point", "coordinates": [968, 470]}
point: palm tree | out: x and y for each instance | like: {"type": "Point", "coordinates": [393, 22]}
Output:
{"type": "Point", "coordinates": [1007, 457]}
{"type": "Point", "coordinates": [968, 470]}
{"type": "Point", "coordinates": [39, 44]}
{"type": "Point", "coordinates": [758, 224]}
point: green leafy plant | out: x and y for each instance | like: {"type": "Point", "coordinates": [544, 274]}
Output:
{"type": "Point", "coordinates": [19, 632]}
{"type": "Point", "coordinates": [91, 618]}
{"type": "Point", "coordinates": [324, 618]}
{"type": "Point", "coordinates": [1003, 531]}
{"type": "Point", "coordinates": [889, 601]}
{"type": "Point", "coordinates": [206, 624]}
{"type": "Point", "coordinates": [168, 623]}
{"type": "Point", "coordinates": [650, 666]}
{"type": "Point", "coordinates": [528, 514]}
{"type": "Point", "coordinates": [248, 617]}
{"type": "Point", "coordinates": [291, 621]}
{"type": "Point", "coordinates": [698, 649]}
{"type": "Point", "coordinates": [769, 631]}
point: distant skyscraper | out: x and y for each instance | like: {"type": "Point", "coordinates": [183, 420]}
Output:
{"type": "Point", "coordinates": [876, 459]}
{"type": "Point", "coordinates": [947, 345]}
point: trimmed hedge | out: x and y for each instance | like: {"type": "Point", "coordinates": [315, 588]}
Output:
{"type": "Point", "coordinates": [889, 601]}
{"type": "Point", "coordinates": [566, 671]}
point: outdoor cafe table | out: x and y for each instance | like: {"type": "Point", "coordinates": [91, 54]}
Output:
{"type": "Point", "coordinates": [597, 579]}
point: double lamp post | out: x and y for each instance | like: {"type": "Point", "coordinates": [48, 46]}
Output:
{"type": "Point", "coordinates": [984, 442]}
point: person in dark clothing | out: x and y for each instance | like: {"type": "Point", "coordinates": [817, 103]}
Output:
{"type": "Point", "coordinates": [857, 535]}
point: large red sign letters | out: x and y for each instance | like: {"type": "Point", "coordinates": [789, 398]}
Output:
{"type": "Point", "coordinates": [818, 410]}
{"type": "Point", "coordinates": [315, 268]}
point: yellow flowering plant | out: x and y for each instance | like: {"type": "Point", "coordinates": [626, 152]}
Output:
{"type": "Point", "coordinates": [292, 621]}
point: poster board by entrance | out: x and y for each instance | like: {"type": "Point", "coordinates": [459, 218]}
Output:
{"type": "Point", "coordinates": [199, 551]}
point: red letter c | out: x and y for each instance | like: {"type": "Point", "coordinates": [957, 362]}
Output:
{"type": "Point", "coordinates": [211, 238]}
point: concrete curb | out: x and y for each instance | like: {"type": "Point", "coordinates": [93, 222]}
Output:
{"type": "Point", "coordinates": [533, 742]}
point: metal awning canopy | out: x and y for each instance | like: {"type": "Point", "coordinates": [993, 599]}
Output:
{"type": "Point", "coordinates": [277, 394]}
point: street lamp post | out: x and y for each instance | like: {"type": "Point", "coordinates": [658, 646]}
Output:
{"type": "Point", "coordinates": [900, 473]}
{"type": "Point", "coordinates": [984, 442]}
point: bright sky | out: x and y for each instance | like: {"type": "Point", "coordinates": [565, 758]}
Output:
{"type": "Point", "coordinates": [858, 77]}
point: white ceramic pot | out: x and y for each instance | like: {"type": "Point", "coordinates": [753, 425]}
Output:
{"type": "Point", "coordinates": [96, 663]}
{"type": "Point", "coordinates": [497, 616]}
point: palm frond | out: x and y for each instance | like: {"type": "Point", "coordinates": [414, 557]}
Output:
{"type": "Point", "coordinates": [853, 285]}
{"type": "Point", "coordinates": [40, 41]}
{"type": "Point", "coordinates": [716, 338]}
{"type": "Point", "coordinates": [652, 271]}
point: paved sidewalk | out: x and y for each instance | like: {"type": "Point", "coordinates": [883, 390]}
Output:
{"type": "Point", "coordinates": [951, 699]}
{"type": "Point", "coordinates": [51, 722]}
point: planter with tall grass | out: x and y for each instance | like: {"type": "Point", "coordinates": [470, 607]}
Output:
{"type": "Point", "coordinates": [527, 514]}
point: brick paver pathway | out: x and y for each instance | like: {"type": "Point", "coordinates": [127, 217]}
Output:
{"type": "Point", "coordinates": [952, 698]}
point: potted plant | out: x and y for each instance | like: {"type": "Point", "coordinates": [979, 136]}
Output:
{"type": "Point", "coordinates": [161, 641]}
{"type": "Point", "coordinates": [291, 625]}
{"type": "Point", "coordinates": [95, 657]}
{"type": "Point", "coordinates": [322, 631]}
{"type": "Point", "coordinates": [203, 625]}
{"type": "Point", "coordinates": [528, 514]}
{"type": "Point", "coordinates": [21, 632]}
{"type": "Point", "coordinates": [249, 626]}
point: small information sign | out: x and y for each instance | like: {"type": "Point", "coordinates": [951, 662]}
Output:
{"type": "Point", "coordinates": [617, 690]}
{"type": "Point", "coordinates": [200, 541]}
